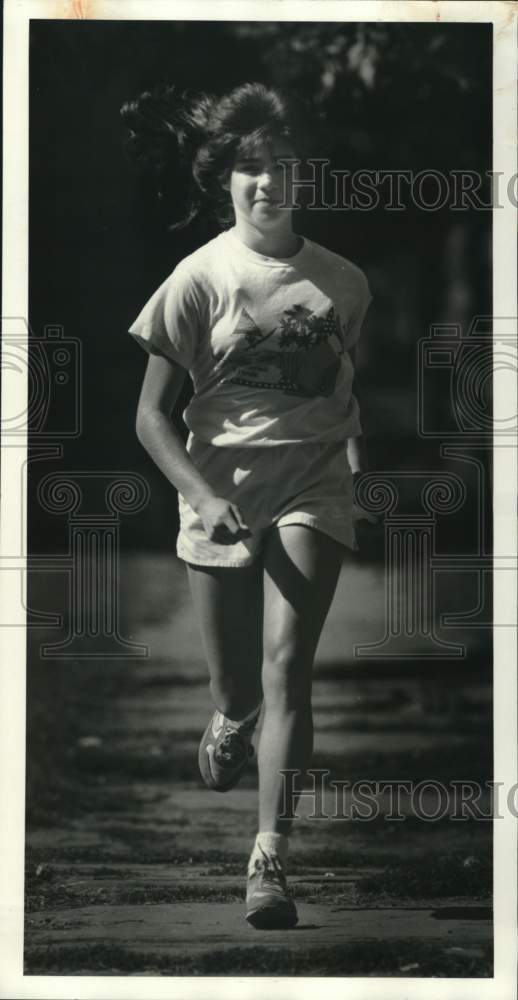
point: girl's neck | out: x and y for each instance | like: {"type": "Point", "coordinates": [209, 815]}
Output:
{"type": "Point", "coordinates": [278, 243]}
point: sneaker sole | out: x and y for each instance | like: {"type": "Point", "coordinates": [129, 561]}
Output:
{"type": "Point", "coordinates": [275, 917]}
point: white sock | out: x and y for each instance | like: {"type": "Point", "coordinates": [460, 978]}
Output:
{"type": "Point", "coordinates": [270, 843]}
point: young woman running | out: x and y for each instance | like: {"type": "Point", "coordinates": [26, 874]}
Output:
{"type": "Point", "coordinates": [264, 321]}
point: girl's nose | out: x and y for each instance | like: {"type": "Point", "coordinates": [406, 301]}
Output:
{"type": "Point", "coordinates": [267, 178]}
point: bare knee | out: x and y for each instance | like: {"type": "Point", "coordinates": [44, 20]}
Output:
{"type": "Point", "coordinates": [286, 678]}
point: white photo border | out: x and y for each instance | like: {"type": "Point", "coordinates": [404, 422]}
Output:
{"type": "Point", "coordinates": [17, 15]}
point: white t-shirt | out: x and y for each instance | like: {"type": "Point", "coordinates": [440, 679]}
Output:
{"type": "Point", "coordinates": [265, 340]}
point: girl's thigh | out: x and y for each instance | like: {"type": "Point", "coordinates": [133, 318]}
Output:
{"type": "Point", "coordinates": [229, 607]}
{"type": "Point", "coordinates": [301, 569]}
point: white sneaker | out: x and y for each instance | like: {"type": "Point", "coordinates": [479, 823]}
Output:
{"type": "Point", "coordinates": [269, 904]}
{"type": "Point", "coordinates": [225, 750]}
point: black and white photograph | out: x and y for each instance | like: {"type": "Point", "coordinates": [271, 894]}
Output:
{"type": "Point", "coordinates": [258, 525]}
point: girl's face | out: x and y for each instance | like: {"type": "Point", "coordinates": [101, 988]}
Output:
{"type": "Point", "coordinates": [262, 190]}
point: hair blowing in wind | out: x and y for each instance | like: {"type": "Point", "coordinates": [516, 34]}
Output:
{"type": "Point", "coordinates": [196, 137]}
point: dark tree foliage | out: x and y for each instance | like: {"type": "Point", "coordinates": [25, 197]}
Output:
{"type": "Point", "coordinates": [413, 93]}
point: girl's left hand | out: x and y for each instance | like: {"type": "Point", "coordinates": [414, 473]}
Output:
{"type": "Point", "coordinates": [359, 514]}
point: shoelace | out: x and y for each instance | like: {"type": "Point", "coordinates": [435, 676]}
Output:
{"type": "Point", "coordinates": [270, 868]}
{"type": "Point", "coordinates": [232, 744]}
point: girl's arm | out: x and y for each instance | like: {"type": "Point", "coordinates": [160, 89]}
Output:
{"type": "Point", "coordinates": [161, 388]}
{"type": "Point", "coordinates": [156, 432]}
{"type": "Point", "coordinates": [356, 447]}
{"type": "Point", "coordinates": [358, 460]}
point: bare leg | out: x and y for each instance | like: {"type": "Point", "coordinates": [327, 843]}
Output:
{"type": "Point", "coordinates": [229, 609]}
{"type": "Point", "coordinates": [301, 572]}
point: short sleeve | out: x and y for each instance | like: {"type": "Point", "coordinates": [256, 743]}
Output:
{"type": "Point", "coordinates": [171, 321]}
{"type": "Point", "coordinates": [355, 323]}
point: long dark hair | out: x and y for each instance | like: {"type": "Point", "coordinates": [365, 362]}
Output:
{"type": "Point", "coordinates": [196, 138]}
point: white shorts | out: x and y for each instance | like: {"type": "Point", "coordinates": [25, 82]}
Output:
{"type": "Point", "coordinates": [300, 483]}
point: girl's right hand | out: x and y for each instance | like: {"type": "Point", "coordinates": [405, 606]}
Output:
{"type": "Point", "coordinates": [223, 521]}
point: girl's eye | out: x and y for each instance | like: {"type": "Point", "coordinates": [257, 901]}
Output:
{"type": "Point", "coordinates": [254, 167]}
{"type": "Point", "coordinates": [247, 166]}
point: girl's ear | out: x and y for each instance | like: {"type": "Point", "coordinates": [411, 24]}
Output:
{"type": "Point", "coordinates": [224, 180]}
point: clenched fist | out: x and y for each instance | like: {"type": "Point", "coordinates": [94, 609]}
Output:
{"type": "Point", "coordinates": [223, 521]}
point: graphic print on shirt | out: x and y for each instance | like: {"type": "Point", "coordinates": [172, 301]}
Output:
{"type": "Point", "coordinates": [298, 357]}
